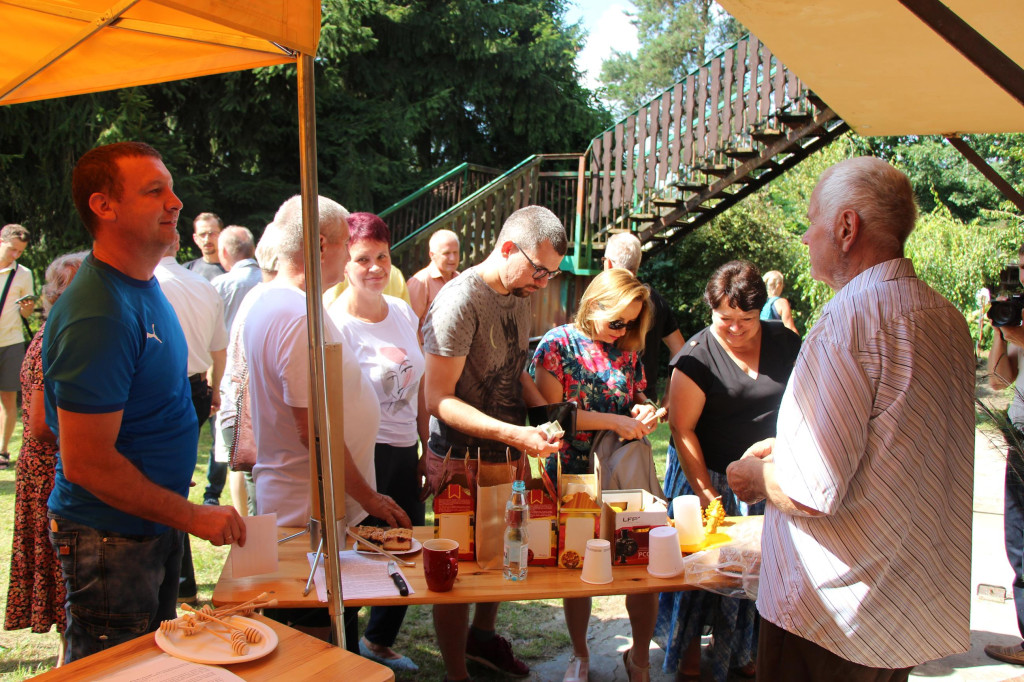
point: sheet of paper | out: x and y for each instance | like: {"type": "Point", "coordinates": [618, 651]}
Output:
{"type": "Point", "coordinates": [362, 576]}
{"type": "Point", "coordinates": [167, 668]}
{"type": "Point", "coordinates": [260, 552]}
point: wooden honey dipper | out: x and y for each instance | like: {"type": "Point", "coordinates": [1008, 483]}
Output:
{"type": "Point", "coordinates": [187, 628]}
{"type": "Point", "coordinates": [249, 633]}
{"type": "Point", "coordinates": [246, 607]}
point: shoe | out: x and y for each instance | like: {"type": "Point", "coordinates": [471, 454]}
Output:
{"type": "Point", "coordinates": [644, 673]}
{"type": "Point", "coordinates": [5, 460]}
{"type": "Point", "coordinates": [1007, 654]}
{"type": "Point", "coordinates": [578, 670]}
{"type": "Point", "coordinates": [191, 599]}
{"type": "Point", "coordinates": [211, 502]}
{"type": "Point", "coordinates": [402, 664]}
{"type": "Point", "coordinates": [496, 653]}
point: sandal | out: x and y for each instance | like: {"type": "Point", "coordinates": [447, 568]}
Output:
{"type": "Point", "coordinates": [631, 668]}
{"type": "Point", "coordinates": [5, 460]}
{"type": "Point", "coordinates": [578, 670]}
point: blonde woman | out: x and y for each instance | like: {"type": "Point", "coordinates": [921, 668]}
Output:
{"type": "Point", "coordinates": [595, 363]}
{"type": "Point", "coordinates": [776, 307]}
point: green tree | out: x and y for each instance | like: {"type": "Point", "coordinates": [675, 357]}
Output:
{"type": "Point", "coordinates": [675, 37]}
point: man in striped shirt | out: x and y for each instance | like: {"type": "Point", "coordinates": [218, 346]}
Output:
{"type": "Point", "coordinates": [867, 538]}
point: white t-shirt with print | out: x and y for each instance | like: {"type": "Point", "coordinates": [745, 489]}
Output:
{"type": "Point", "coordinates": [390, 357]}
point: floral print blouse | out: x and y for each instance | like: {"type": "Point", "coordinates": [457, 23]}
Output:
{"type": "Point", "coordinates": [596, 376]}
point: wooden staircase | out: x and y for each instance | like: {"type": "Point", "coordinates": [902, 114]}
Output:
{"type": "Point", "coordinates": [726, 130]}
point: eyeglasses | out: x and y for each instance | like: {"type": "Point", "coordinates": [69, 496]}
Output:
{"type": "Point", "coordinates": [621, 324]}
{"type": "Point", "coordinates": [538, 271]}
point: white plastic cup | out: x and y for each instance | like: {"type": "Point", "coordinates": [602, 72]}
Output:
{"type": "Point", "coordinates": [597, 563]}
{"type": "Point", "coordinates": [666, 559]}
{"type": "Point", "coordinates": [686, 512]}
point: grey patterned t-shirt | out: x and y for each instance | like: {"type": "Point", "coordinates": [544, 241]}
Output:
{"type": "Point", "coordinates": [469, 319]}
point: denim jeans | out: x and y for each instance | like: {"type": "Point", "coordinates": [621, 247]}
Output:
{"type": "Point", "coordinates": [118, 586]}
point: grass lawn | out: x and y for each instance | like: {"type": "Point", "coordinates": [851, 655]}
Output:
{"type": "Point", "coordinates": [536, 627]}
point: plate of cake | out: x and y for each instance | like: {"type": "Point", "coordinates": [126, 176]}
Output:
{"type": "Point", "coordinates": [398, 541]}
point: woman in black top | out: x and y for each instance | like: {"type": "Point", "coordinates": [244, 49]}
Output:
{"type": "Point", "coordinates": [725, 391]}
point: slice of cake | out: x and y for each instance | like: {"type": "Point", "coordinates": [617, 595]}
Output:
{"type": "Point", "coordinates": [398, 539]}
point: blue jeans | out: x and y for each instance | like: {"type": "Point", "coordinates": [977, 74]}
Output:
{"type": "Point", "coordinates": [118, 586]}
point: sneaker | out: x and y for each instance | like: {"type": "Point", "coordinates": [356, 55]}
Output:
{"type": "Point", "coordinates": [1007, 654]}
{"type": "Point", "coordinates": [496, 653]}
{"type": "Point", "coordinates": [402, 664]}
{"type": "Point", "coordinates": [210, 501]}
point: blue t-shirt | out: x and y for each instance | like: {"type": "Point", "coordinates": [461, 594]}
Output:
{"type": "Point", "coordinates": [114, 343]}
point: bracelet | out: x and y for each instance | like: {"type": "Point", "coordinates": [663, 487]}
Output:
{"type": "Point", "coordinates": [651, 403]}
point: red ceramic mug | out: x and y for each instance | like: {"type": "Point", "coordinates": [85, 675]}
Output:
{"type": "Point", "coordinates": [440, 564]}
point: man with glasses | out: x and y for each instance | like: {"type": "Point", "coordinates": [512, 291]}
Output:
{"type": "Point", "coordinates": [475, 338]}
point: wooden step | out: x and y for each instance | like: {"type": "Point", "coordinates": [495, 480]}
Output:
{"type": "Point", "coordinates": [795, 119]}
{"type": "Point", "coordinates": [669, 202]}
{"type": "Point", "coordinates": [767, 135]}
{"type": "Point", "coordinates": [691, 186]}
{"type": "Point", "coordinates": [719, 170]}
{"type": "Point", "coordinates": [741, 154]}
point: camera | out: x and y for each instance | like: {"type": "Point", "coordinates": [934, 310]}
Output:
{"type": "Point", "coordinates": [1007, 313]}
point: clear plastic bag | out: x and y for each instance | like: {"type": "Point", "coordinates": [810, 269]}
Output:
{"type": "Point", "coordinates": [732, 570]}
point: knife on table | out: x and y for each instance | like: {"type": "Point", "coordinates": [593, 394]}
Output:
{"type": "Point", "coordinates": [396, 575]}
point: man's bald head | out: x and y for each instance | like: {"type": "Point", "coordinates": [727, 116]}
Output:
{"type": "Point", "coordinates": [444, 251]}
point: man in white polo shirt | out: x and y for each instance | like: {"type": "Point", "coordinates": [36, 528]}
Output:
{"type": "Point", "coordinates": [866, 551]}
{"type": "Point", "coordinates": [16, 283]}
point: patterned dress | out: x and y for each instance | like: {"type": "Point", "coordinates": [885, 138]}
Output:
{"type": "Point", "coordinates": [596, 376]}
{"type": "Point", "coordinates": [35, 597]}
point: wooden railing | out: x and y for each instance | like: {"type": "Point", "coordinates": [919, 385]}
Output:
{"type": "Point", "coordinates": [549, 180]}
{"type": "Point", "coordinates": [414, 211]}
{"type": "Point", "coordinates": [690, 128]}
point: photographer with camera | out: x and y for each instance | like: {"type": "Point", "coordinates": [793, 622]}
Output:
{"type": "Point", "coordinates": [1005, 366]}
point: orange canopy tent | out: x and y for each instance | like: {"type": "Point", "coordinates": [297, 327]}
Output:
{"type": "Point", "coordinates": [59, 48]}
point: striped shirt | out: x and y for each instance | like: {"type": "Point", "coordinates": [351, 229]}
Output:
{"type": "Point", "coordinates": [876, 430]}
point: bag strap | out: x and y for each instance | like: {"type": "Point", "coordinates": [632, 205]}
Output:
{"type": "Point", "coordinates": [7, 285]}
{"type": "Point", "coordinates": [239, 406]}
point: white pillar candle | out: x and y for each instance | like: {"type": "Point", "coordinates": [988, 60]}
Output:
{"type": "Point", "coordinates": [686, 512]}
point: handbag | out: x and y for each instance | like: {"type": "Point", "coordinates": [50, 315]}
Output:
{"type": "Point", "coordinates": [624, 465]}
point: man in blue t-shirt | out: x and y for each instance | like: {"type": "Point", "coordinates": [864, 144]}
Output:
{"type": "Point", "coordinates": [118, 398]}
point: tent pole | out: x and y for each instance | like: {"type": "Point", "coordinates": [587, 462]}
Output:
{"type": "Point", "coordinates": [320, 440]}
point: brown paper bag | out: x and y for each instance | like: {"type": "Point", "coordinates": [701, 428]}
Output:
{"type": "Point", "coordinates": [493, 490]}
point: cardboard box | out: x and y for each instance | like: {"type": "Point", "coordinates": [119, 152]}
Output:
{"type": "Point", "coordinates": [579, 517]}
{"type": "Point", "coordinates": [627, 517]}
{"type": "Point", "coordinates": [455, 516]}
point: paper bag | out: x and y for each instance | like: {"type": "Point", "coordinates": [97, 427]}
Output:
{"type": "Point", "coordinates": [493, 490]}
{"type": "Point", "coordinates": [455, 508]}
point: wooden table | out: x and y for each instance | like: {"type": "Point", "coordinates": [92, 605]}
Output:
{"type": "Point", "coordinates": [472, 585]}
{"type": "Point", "coordinates": [297, 656]}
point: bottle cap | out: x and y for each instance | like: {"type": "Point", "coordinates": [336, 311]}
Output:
{"type": "Point", "coordinates": [518, 486]}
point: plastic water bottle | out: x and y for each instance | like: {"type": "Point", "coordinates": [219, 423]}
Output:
{"type": "Point", "coordinates": [517, 515]}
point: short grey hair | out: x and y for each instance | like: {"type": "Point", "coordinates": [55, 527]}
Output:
{"type": "Point", "coordinates": [266, 250]}
{"type": "Point", "coordinates": [438, 236]}
{"type": "Point", "coordinates": [623, 250]}
{"type": "Point", "coordinates": [880, 194]}
{"type": "Point", "coordinates": [774, 282]}
{"type": "Point", "coordinates": [238, 242]}
{"type": "Point", "coordinates": [289, 220]}
{"type": "Point", "coordinates": [531, 226]}
{"type": "Point", "coordinates": [59, 275]}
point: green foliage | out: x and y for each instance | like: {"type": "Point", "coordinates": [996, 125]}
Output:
{"type": "Point", "coordinates": [675, 36]}
{"type": "Point", "coordinates": [942, 177]}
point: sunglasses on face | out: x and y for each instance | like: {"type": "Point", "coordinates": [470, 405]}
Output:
{"type": "Point", "coordinates": [538, 271]}
{"type": "Point", "coordinates": [621, 324]}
